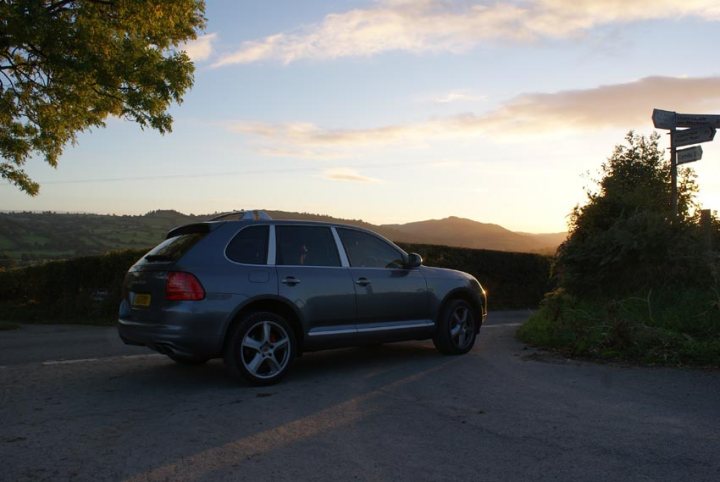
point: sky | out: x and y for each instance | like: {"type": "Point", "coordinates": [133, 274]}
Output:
{"type": "Point", "coordinates": [394, 111]}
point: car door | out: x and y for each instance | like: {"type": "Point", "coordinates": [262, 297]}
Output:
{"type": "Point", "coordinates": [312, 277]}
{"type": "Point", "coordinates": [391, 299]}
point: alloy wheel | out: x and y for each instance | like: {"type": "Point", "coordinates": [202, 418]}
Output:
{"type": "Point", "coordinates": [265, 349]}
{"type": "Point", "coordinates": [461, 327]}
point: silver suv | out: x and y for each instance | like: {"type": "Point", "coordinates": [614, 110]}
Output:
{"type": "Point", "coordinates": [258, 292]}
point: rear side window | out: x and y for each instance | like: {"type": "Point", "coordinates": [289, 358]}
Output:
{"type": "Point", "coordinates": [306, 246]}
{"type": "Point", "coordinates": [367, 251]}
{"type": "Point", "coordinates": [249, 246]}
{"type": "Point", "coordinates": [172, 249]}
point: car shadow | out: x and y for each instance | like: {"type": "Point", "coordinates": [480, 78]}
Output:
{"type": "Point", "coordinates": [361, 362]}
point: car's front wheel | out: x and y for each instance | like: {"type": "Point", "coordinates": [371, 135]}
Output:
{"type": "Point", "coordinates": [261, 348]}
{"type": "Point", "coordinates": [457, 328]}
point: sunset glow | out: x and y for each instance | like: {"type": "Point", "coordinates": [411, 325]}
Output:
{"type": "Point", "coordinates": [398, 110]}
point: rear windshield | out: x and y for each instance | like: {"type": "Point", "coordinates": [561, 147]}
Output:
{"type": "Point", "coordinates": [174, 248]}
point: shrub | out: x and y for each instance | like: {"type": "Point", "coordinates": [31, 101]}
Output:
{"type": "Point", "coordinates": [636, 281]}
{"type": "Point", "coordinates": [626, 238]}
{"type": "Point", "coordinates": [660, 329]}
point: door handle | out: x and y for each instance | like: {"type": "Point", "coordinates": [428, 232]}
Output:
{"type": "Point", "coordinates": [290, 281]}
{"type": "Point", "coordinates": [362, 281]}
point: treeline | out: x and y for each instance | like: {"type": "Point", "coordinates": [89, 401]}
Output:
{"type": "Point", "coordinates": [88, 289]}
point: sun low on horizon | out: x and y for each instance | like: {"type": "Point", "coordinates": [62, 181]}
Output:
{"type": "Point", "coordinates": [394, 111]}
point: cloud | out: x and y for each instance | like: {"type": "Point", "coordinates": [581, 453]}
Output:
{"type": "Point", "coordinates": [624, 106]}
{"type": "Point", "coordinates": [457, 96]}
{"type": "Point", "coordinates": [201, 48]}
{"type": "Point", "coordinates": [444, 26]}
{"type": "Point", "coordinates": [627, 105]}
{"type": "Point", "coordinates": [346, 174]}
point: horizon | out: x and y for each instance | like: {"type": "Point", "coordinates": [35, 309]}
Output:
{"type": "Point", "coordinates": [393, 111]}
{"type": "Point", "coordinates": [4, 211]}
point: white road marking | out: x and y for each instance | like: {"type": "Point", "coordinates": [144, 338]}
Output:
{"type": "Point", "coordinates": [90, 360]}
{"type": "Point", "coordinates": [501, 325]}
{"type": "Point", "coordinates": [149, 355]}
{"type": "Point", "coordinates": [69, 362]}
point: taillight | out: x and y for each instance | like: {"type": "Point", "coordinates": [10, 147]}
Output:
{"type": "Point", "coordinates": [183, 287]}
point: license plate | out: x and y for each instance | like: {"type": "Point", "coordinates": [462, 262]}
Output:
{"type": "Point", "coordinates": [141, 300]}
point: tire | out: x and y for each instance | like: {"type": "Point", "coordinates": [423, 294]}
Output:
{"type": "Point", "coordinates": [260, 349]}
{"type": "Point", "coordinates": [457, 328]}
{"type": "Point", "coordinates": [186, 360]}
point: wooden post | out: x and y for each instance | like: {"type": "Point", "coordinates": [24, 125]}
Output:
{"type": "Point", "coordinates": [706, 227]}
{"type": "Point", "coordinates": [673, 173]}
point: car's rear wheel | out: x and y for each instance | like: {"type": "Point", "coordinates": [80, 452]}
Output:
{"type": "Point", "coordinates": [457, 328]}
{"type": "Point", "coordinates": [261, 348]}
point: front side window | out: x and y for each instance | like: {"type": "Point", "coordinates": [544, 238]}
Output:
{"type": "Point", "coordinates": [249, 246]}
{"type": "Point", "coordinates": [367, 251]}
{"type": "Point", "coordinates": [306, 246]}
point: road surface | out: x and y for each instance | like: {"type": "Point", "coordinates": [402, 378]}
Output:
{"type": "Point", "coordinates": [79, 405]}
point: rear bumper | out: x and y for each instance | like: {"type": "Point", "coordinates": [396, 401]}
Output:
{"type": "Point", "coordinates": [168, 339]}
{"type": "Point", "coordinates": [181, 333]}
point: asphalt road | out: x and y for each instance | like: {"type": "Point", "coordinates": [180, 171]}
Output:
{"type": "Point", "coordinates": [78, 405]}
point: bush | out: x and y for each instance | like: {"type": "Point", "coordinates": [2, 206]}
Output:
{"type": "Point", "coordinates": [637, 281]}
{"type": "Point", "coordinates": [626, 238]}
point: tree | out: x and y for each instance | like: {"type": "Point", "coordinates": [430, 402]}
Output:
{"type": "Point", "coordinates": [626, 238]}
{"type": "Point", "coordinates": [66, 65]}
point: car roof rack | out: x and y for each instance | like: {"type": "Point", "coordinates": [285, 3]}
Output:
{"type": "Point", "coordinates": [244, 215]}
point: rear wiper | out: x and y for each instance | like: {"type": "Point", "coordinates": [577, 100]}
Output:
{"type": "Point", "coordinates": [158, 257]}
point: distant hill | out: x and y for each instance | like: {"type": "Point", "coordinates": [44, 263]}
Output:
{"type": "Point", "coordinates": [29, 238]}
{"type": "Point", "coordinates": [466, 233]}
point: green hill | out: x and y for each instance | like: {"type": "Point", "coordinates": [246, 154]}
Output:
{"type": "Point", "coordinates": [28, 238]}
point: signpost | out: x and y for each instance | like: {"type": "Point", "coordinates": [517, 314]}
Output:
{"type": "Point", "coordinates": [693, 120]}
{"type": "Point", "coordinates": [665, 119]}
{"type": "Point", "coordinates": [696, 135]}
{"type": "Point", "coordinates": [701, 129]}
{"type": "Point", "coordinates": [691, 154]}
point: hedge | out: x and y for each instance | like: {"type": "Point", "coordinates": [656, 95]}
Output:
{"type": "Point", "coordinates": [512, 280]}
{"type": "Point", "coordinates": [88, 289]}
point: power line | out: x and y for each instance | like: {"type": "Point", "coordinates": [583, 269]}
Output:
{"type": "Point", "coordinates": [232, 173]}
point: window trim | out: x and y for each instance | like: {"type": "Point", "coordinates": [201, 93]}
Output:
{"type": "Point", "coordinates": [344, 260]}
{"type": "Point", "coordinates": [271, 233]}
{"type": "Point", "coordinates": [271, 247]}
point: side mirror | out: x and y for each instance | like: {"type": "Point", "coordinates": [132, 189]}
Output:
{"type": "Point", "coordinates": [413, 260]}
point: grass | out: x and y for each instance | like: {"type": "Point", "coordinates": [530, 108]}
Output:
{"type": "Point", "coordinates": [678, 328]}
